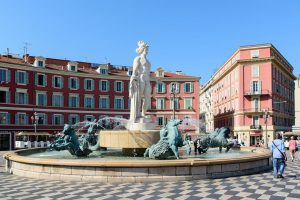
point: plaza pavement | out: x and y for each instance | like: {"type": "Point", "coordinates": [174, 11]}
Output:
{"type": "Point", "coordinates": [257, 186]}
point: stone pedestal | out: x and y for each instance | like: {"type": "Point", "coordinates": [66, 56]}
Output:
{"type": "Point", "coordinates": [129, 140]}
{"type": "Point", "coordinates": [143, 123]}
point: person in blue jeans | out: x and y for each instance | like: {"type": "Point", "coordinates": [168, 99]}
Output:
{"type": "Point", "coordinates": [278, 151]}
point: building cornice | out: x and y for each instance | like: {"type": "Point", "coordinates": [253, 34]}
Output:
{"type": "Point", "coordinates": [70, 73]}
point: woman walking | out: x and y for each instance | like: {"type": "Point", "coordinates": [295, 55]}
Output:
{"type": "Point", "coordinates": [292, 147]}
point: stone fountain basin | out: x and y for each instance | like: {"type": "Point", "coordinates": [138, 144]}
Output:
{"type": "Point", "coordinates": [116, 171]}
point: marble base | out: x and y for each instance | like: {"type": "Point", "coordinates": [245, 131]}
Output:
{"type": "Point", "coordinates": [143, 123]}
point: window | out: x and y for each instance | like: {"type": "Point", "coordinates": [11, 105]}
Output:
{"type": "Point", "coordinates": [73, 101]}
{"type": "Point", "coordinates": [41, 80]}
{"type": "Point", "coordinates": [21, 77]}
{"type": "Point", "coordinates": [160, 103]}
{"type": "Point", "coordinates": [89, 118]}
{"type": "Point", "coordinates": [188, 87]}
{"type": "Point", "coordinates": [176, 103]}
{"type": "Point", "coordinates": [73, 83]}
{"type": "Point", "coordinates": [104, 86]}
{"type": "Point", "coordinates": [41, 99]}
{"type": "Point", "coordinates": [4, 75]}
{"type": "Point", "coordinates": [57, 119]}
{"type": "Point", "coordinates": [103, 71]}
{"type": "Point", "coordinates": [73, 119]}
{"type": "Point", "coordinates": [255, 70]}
{"type": "Point", "coordinates": [119, 103]}
{"type": "Point", "coordinates": [40, 63]}
{"type": "Point", "coordinates": [255, 121]}
{"type": "Point", "coordinates": [4, 96]}
{"type": "Point", "coordinates": [104, 102]}
{"type": "Point", "coordinates": [254, 53]}
{"type": "Point", "coordinates": [4, 118]}
{"type": "Point", "coordinates": [160, 88]}
{"type": "Point", "coordinates": [57, 82]}
{"type": "Point", "coordinates": [57, 100]}
{"type": "Point", "coordinates": [89, 84]}
{"type": "Point", "coordinates": [21, 98]}
{"type": "Point", "coordinates": [118, 86]}
{"type": "Point", "coordinates": [255, 87]}
{"type": "Point", "coordinates": [187, 120]}
{"type": "Point", "coordinates": [129, 72]}
{"type": "Point", "coordinates": [73, 68]}
{"type": "Point", "coordinates": [21, 119]}
{"type": "Point", "coordinates": [160, 121]}
{"type": "Point", "coordinates": [89, 102]}
{"type": "Point", "coordinates": [188, 103]}
{"type": "Point", "coordinates": [177, 87]}
{"type": "Point", "coordinates": [42, 120]}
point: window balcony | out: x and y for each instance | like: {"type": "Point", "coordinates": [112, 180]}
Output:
{"type": "Point", "coordinates": [255, 93]}
{"type": "Point", "coordinates": [255, 127]}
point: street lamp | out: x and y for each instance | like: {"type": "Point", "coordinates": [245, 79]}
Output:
{"type": "Point", "coordinates": [173, 89]}
{"type": "Point", "coordinates": [266, 116]}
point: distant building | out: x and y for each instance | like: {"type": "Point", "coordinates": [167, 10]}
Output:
{"type": "Point", "coordinates": [206, 109]}
{"type": "Point", "coordinates": [296, 127]}
{"type": "Point", "coordinates": [64, 91]}
{"type": "Point", "coordinates": [255, 82]}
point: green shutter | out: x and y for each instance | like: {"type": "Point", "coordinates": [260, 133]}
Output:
{"type": "Point", "coordinates": [35, 79]}
{"type": "Point", "coordinates": [26, 78]}
{"type": "Point", "coordinates": [192, 87]}
{"type": "Point", "coordinates": [84, 84]}
{"type": "Point", "coordinates": [17, 98]}
{"type": "Point", "coordinates": [62, 82]}
{"type": "Point", "coordinates": [26, 98]}
{"type": "Point", "coordinates": [8, 76]}
{"type": "Point", "coordinates": [17, 77]}
{"type": "Point", "coordinates": [17, 118]}
{"type": "Point", "coordinates": [7, 118]}
{"type": "Point", "coordinates": [45, 83]}
{"type": "Point", "coordinates": [92, 82]}
{"type": "Point", "coordinates": [7, 97]}
{"type": "Point", "coordinates": [69, 80]}
{"type": "Point", "coordinates": [53, 81]}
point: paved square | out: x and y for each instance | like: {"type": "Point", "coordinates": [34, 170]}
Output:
{"type": "Point", "coordinates": [257, 186]}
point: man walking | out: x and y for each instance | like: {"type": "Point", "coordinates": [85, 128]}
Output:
{"type": "Point", "coordinates": [278, 151]}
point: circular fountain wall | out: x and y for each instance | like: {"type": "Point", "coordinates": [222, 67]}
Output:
{"type": "Point", "coordinates": [34, 163]}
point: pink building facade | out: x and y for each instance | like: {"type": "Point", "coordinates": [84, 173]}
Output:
{"type": "Point", "coordinates": [253, 94]}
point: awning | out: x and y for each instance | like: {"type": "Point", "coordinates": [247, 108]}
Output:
{"type": "Point", "coordinates": [292, 133]}
{"type": "Point", "coordinates": [33, 133]}
{"type": "Point", "coordinates": [255, 134]}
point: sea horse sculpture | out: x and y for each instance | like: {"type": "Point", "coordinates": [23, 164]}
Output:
{"type": "Point", "coordinates": [69, 141]}
{"type": "Point", "coordinates": [170, 140]}
{"type": "Point", "coordinates": [217, 138]}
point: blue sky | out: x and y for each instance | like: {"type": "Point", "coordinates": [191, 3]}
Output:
{"type": "Point", "coordinates": [193, 36]}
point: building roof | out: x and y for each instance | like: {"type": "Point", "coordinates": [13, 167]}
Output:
{"type": "Point", "coordinates": [82, 67]}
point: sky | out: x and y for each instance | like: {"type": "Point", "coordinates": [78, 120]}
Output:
{"type": "Point", "coordinates": [193, 36]}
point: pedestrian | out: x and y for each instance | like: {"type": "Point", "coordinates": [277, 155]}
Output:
{"type": "Point", "coordinates": [278, 152]}
{"type": "Point", "coordinates": [292, 147]}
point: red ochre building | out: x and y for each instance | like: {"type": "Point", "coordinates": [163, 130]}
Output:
{"type": "Point", "coordinates": [64, 91]}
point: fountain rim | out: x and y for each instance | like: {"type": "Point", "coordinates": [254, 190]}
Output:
{"type": "Point", "coordinates": [261, 153]}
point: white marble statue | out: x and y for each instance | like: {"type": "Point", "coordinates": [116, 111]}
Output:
{"type": "Point", "coordinates": [140, 87]}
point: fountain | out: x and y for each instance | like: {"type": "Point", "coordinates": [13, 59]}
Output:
{"type": "Point", "coordinates": [117, 155]}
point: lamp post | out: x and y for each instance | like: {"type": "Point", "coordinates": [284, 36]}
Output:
{"type": "Point", "coordinates": [266, 116]}
{"type": "Point", "coordinates": [173, 88]}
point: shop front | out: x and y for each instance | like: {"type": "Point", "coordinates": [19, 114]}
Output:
{"type": "Point", "coordinates": [256, 139]}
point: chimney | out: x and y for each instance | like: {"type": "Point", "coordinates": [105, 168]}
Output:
{"type": "Point", "coordinates": [26, 58]}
